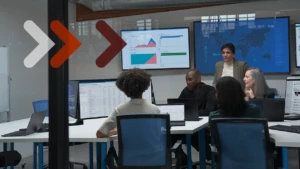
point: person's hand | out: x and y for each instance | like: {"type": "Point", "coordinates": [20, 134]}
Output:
{"type": "Point", "coordinates": [113, 132]}
{"type": "Point", "coordinates": [249, 93]}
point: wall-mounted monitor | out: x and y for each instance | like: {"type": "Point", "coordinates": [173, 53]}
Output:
{"type": "Point", "coordinates": [98, 98]}
{"type": "Point", "coordinates": [166, 48]}
{"type": "Point", "coordinates": [261, 42]}
{"type": "Point", "coordinates": [297, 35]}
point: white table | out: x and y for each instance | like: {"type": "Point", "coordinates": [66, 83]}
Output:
{"type": "Point", "coordinates": [285, 139]}
{"type": "Point", "coordinates": [87, 133]}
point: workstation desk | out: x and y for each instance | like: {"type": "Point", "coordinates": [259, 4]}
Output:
{"type": "Point", "coordinates": [285, 140]}
{"type": "Point", "coordinates": [87, 133]}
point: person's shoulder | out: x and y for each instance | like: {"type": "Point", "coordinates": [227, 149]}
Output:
{"type": "Point", "coordinates": [241, 63]}
{"type": "Point", "coordinates": [122, 106]}
{"type": "Point", "coordinates": [269, 93]}
{"type": "Point", "coordinates": [219, 63]}
{"type": "Point", "coordinates": [214, 114]}
{"type": "Point", "coordinates": [208, 87]}
{"type": "Point", "coordinates": [152, 107]}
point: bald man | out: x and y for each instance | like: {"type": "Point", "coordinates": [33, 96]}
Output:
{"type": "Point", "coordinates": [196, 89]}
{"type": "Point", "coordinates": [206, 95]}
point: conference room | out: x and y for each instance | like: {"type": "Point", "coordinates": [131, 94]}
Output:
{"type": "Point", "coordinates": [57, 54]}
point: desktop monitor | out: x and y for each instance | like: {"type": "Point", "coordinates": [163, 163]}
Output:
{"type": "Point", "coordinates": [292, 95]}
{"type": "Point", "coordinates": [73, 88]}
{"type": "Point", "coordinates": [98, 98]}
{"type": "Point", "coordinates": [165, 48]}
{"type": "Point", "coordinates": [260, 42]}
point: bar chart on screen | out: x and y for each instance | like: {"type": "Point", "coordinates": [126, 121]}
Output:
{"type": "Point", "coordinates": [156, 49]}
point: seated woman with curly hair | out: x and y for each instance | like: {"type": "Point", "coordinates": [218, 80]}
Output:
{"type": "Point", "coordinates": [133, 83]}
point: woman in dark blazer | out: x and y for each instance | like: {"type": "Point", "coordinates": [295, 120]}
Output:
{"type": "Point", "coordinates": [230, 66]}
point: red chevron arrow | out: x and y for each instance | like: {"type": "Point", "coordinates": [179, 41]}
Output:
{"type": "Point", "coordinates": [117, 44]}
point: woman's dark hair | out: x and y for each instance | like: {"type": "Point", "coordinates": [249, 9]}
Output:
{"type": "Point", "coordinates": [231, 97]}
{"type": "Point", "coordinates": [229, 46]}
{"type": "Point", "coordinates": [133, 82]}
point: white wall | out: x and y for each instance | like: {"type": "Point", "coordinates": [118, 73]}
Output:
{"type": "Point", "coordinates": [27, 85]}
{"type": "Point", "coordinates": [169, 83]}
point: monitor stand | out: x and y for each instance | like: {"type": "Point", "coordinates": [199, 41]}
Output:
{"type": "Point", "coordinates": [292, 117]}
{"type": "Point", "coordinates": [77, 123]}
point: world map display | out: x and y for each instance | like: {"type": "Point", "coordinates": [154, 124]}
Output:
{"type": "Point", "coordinates": [262, 43]}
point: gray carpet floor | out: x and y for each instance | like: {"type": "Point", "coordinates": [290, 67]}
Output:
{"type": "Point", "coordinates": [80, 153]}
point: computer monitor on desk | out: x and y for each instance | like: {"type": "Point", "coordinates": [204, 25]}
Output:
{"type": "Point", "coordinates": [191, 108]}
{"type": "Point", "coordinates": [292, 98]}
{"type": "Point", "coordinates": [73, 97]}
{"type": "Point", "coordinates": [98, 98]}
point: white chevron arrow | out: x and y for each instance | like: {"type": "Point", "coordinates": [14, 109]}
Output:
{"type": "Point", "coordinates": [45, 44]}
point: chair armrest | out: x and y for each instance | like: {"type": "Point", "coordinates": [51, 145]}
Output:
{"type": "Point", "coordinates": [176, 146]}
{"type": "Point", "coordinates": [214, 150]}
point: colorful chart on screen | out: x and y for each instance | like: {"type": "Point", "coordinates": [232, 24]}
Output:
{"type": "Point", "coordinates": [156, 49]}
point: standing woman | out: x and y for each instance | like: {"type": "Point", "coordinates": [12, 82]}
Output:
{"type": "Point", "coordinates": [230, 66]}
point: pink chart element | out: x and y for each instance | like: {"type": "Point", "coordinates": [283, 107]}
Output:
{"type": "Point", "coordinates": [150, 45]}
{"type": "Point", "coordinates": [152, 60]}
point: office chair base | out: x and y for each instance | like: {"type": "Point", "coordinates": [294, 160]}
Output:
{"type": "Point", "coordinates": [72, 164]}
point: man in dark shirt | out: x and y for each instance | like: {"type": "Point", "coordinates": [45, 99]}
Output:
{"type": "Point", "coordinates": [196, 89]}
{"type": "Point", "coordinates": [206, 95]}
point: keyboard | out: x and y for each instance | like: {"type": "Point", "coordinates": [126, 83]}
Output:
{"type": "Point", "coordinates": [177, 123]}
{"type": "Point", "coordinates": [16, 133]}
{"type": "Point", "coordinates": [45, 125]}
{"type": "Point", "coordinates": [291, 129]}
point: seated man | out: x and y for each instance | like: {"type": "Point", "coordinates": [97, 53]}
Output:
{"type": "Point", "coordinates": [206, 95]}
{"type": "Point", "coordinates": [196, 89]}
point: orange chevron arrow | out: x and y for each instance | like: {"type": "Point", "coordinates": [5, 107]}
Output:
{"type": "Point", "coordinates": [71, 44]}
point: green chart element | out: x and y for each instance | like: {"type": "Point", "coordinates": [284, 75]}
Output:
{"type": "Point", "coordinates": [141, 58]}
{"type": "Point", "coordinates": [174, 54]}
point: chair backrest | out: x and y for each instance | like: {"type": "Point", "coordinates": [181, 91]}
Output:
{"type": "Point", "coordinates": [241, 142]}
{"type": "Point", "coordinates": [144, 141]}
{"type": "Point", "coordinates": [40, 105]}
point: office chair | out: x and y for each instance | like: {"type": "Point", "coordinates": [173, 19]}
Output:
{"type": "Point", "coordinates": [42, 105]}
{"type": "Point", "coordinates": [145, 142]}
{"type": "Point", "coordinates": [10, 158]}
{"type": "Point", "coordinates": [276, 92]}
{"type": "Point", "coordinates": [241, 143]}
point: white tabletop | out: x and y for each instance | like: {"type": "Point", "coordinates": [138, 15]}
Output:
{"type": "Point", "coordinates": [85, 132]}
{"type": "Point", "coordinates": [285, 139]}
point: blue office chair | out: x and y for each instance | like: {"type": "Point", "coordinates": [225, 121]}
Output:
{"type": "Point", "coordinates": [145, 142]}
{"type": "Point", "coordinates": [242, 143]}
{"type": "Point", "coordinates": [40, 105]}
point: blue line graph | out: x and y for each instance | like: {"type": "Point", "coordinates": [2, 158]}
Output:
{"type": "Point", "coordinates": [174, 36]}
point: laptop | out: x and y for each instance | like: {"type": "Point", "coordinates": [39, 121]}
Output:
{"type": "Point", "coordinates": [176, 113]}
{"type": "Point", "coordinates": [272, 109]}
{"type": "Point", "coordinates": [190, 108]}
{"type": "Point", "coordinates": [34, 124]}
